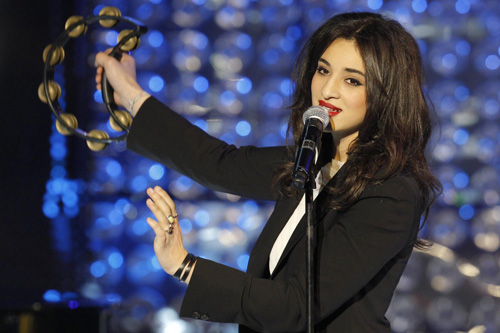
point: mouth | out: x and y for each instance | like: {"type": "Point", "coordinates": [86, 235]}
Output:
{"type": "Point", "coordinates": [332, 109]}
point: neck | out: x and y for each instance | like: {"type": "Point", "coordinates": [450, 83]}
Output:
{"type": "Point", "coordinates": [342, 143]}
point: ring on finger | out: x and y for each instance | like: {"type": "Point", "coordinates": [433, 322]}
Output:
{"type": "Point", "coordinates": [171, 220]}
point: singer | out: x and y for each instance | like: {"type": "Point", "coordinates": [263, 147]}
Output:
{"type": "Point", "coordinates": [373, 184]}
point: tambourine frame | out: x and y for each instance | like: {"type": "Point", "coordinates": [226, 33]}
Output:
{"type": "Point", "coordinates": [107, 90]}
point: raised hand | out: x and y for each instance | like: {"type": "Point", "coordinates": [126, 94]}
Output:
{"type": "Point", "coordinates": [122, 77]}
{"type": "Point", "coordinates": [168, 241]}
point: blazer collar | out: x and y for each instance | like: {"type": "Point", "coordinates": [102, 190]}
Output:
{"type": "Point", "coordinates": [319, 213]}
{"type": "Point", "coordinates": [258, 264]}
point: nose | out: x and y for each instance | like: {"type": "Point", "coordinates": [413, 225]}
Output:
{"type": "Point", "coordinates": [330, 89]}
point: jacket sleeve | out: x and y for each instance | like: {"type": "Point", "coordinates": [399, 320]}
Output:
{"type": "Point", "coordinates": [352, 252]}
{"type": "Point", "coordinates": [160, 134]}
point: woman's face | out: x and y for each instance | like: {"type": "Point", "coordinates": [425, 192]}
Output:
{"type": "Point", "coordinates": [339, 84]}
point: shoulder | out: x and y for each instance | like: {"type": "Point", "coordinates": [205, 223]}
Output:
{"type": "Point", "coordinates": [390, 208]}
{"type": "Point", "coordinates": [402, 190]}
{"type": "Point", "coordinates": [393, 204]}
{"type": "Point", "coordinates": [397, 187]}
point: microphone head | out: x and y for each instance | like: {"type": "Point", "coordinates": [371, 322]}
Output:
{"type": "Point", "coordinates": [317, 112]}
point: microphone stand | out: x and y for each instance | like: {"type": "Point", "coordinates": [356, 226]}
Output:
{"type": "Point", "coordinates": [309, 186]}
{"type": "Point", "coordinates": [315, 119]}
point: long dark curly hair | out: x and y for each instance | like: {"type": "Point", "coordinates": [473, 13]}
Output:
{"type": "Point", "coordinates": [397, 126]}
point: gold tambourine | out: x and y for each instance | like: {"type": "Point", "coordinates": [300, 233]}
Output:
{"type": "Point", "coordinates": [49, 91]}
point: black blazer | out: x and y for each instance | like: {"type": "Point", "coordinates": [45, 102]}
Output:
{"type": "Point", "coordinates": [360, 253]}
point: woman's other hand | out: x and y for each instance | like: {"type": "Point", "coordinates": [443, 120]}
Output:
{"type": "Point", "coordinates": [168, 241]}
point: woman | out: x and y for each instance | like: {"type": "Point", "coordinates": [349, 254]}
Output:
{"type": "Point", "coordinates": [374, 185]}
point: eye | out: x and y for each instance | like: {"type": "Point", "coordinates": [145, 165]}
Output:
{"type": "Point", "coordinates": [353, 82]}
{"type": "Point", "coordinates": [322, 70]}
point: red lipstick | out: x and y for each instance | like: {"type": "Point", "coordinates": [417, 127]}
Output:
{"type": "Point", "coordinates": [332, 109]}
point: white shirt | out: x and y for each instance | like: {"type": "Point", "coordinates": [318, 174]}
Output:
{"type": "Point", "coordinates": [323, 177]}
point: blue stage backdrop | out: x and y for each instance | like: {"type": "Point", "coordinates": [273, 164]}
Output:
{"type": "Point", "coordinates": [225, 65]}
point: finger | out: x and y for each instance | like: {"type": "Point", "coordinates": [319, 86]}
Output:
{"type": "Point", "coordinates": [160, 215]}
{"type": "Point", "coordinates": [167, 198]}
{"type": "Point", "coordinates": [101, 59]}
{"type": "Point", "coordinates": [98, 78]}
{"type": "Point", "coordinates": [159, 232]}
{"type": "Point", "coordinates": [167, 207]}
{"type": "Point", "coordinates": [164, 227]}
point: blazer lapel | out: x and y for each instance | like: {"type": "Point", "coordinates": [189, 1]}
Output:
{"type": "Point", "coordinates": [300, 230]}
{"type": "Point", "coordinates": [258, 264]}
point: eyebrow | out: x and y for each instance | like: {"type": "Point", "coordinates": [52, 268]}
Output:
{"type": "Point", "coordinates": [350, 70]}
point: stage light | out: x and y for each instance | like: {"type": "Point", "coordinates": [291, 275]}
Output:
{"type": "Point", "coordinates": [316, 15]}
{"type": "Point", "coordinates": [111, 38]}
{"type": "Point", "coordinates": [57, 172]}
{"type": "Point", "coordinates": [243, 261]}
{"type": "Point", "coordinates": [144, 11]}
{"type": "Point", "coordinates": [419, 6]}
{"type": "Point", "coordinates": [73, 304]}
{"type": "Point", "coordinates": [98, 269]}
{"type": "Point", "coordinates": [188, 14]}
{"type": "Point", "coordinates": [202, 218]}
{"type": "Point", "coordinates": [461, 180]}
{"type": "Point", "coordinates": [52, 296]}
{"type": "Point", "coordinates": [466, 212]}
{"type": "Point", "coordinates": [461, 137]}
{"type": "Point", "coordinates": [186, 226]}
{"type": "Point", "coordinates": [462, 6]}
{"type": "Point", "coordinates": [140, 227]}
{"type": "Point", "coordinates": [435, 8]}
{"type": "Point", "coordinates": [444, 276]}
{"type": "Point", "coordinates": [156, 83]}
{"type": "Point", "coordinates": [229, 18]}
{"type": "Point", "coordinates": [243, 128]}
{"type": "Point", "coordinates": [244, 85]}
{"type": "Point", "coordinates": [485, 234]}
{"type": "Point", "coordinates": [201, 84]}
{"type": "Point", "coordinates": [375, 4]}
{"type": "Point", "coordinates": [449, 58]}
{"type": "Point", "coordinates": [156, 172]}
{"type": "Point", "coordinates": [70, 198]}
{"type": "Point", "coordinates": [58, 151]}
{"type": "Point", "coordinates": [115, 259]}
{"type": "Point", "coordinates": [139, 184]}
{"type": "Point", "coordinates": [50, 209]}
{"type": "Point", "coordinates": [113, 168]}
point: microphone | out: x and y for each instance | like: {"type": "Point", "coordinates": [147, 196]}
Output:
{"type": "Point", "coordinates": [315, 120]}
